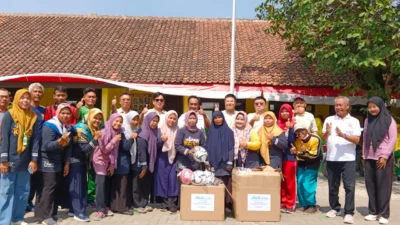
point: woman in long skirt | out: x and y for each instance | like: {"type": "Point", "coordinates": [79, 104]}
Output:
{"type": "Point", "coordinates": [121, 185]}
{"type": "Point", "coordinates": [144, 167]}
{"type": "Point", "coordinates": [166, 182]}
{"type": "Point", "coordinates": [55, 152]}
{"type": "Point", "coordinates": [220, 148]}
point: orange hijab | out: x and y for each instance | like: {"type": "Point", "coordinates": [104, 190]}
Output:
{"type": "Point", "coordinates": [23, 118]}
{"type": "Point", "coordinates": [275, 130]}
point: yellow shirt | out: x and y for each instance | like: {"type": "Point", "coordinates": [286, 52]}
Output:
{"type": "Point", "coordinates": [254, 144]}
{"type": "Point", "coordinates": [312, 147]}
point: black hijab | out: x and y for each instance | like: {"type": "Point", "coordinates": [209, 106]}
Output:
{"type": "Point", "coordinates": [378, 126]}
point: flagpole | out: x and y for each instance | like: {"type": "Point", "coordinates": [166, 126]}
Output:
{"type": "Point", "coordinates": [232, 77]}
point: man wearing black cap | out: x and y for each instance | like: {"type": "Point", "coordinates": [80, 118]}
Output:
{"type": "Point", "coordinates": [299, 110]}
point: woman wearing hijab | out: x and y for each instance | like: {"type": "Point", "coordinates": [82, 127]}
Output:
{"type": "Point", "coordinates": [273, 141]}
{"type": "Point", "coordinates": [380, 134]}
{"type": "Point", "coordinates": [53, 163]}
{"type": "Point", "coordinates": [166, 182]}
{"type": "Point", "coordinates": [247, 143]}
{"type": "Point", "coordinates": [18, 157]}
{"type": "Point", "coordinates": [121, 185]}
{"type": "Point", "coordinates": [186, 139]}
{"type": "Point", "coordinates": [104, 160]}
{"type": "Point", "coordinates": [143, 168]}
{"type": "Point", "coordinates": [288, 186]}
{"type": "Point", "coordinates": [85, 141]}
{"type": "Point", "coordinates": [220, 142]}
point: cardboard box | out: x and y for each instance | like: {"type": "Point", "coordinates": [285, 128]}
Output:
{"type": "Point", "coordinates": [256, 195]}
{"type": "Point", "coordinates": [202, 202]}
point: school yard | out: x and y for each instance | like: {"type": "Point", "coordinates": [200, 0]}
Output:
{"type": "Point", "coordinates": [160, 218]}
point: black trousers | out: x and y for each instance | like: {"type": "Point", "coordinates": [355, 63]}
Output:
{"type": "Point", "coordinates": [379, 187]}
{"type": "Point", "coordinates": [141, 189]}
{"type": "Point", "coordinates": [34, 184]}
{"type": "Point", "coordinates": [103, 192]}
{"type": "Point", "coordinates": [46, 200]}
{"type": "Point", "coordinates": [346, 171]}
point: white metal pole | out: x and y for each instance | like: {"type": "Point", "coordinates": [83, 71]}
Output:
{"type": "Point", "coordinates": [232, 80]}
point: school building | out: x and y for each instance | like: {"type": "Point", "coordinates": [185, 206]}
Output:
{"type": "Point", "coordinates": [176, 56]}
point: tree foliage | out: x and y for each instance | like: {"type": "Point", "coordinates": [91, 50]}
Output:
{"type": "Point", "coordinates": [355, 37]}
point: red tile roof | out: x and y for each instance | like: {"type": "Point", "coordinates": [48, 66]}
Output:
{"type": "Point", "coordinates": [151, 50]}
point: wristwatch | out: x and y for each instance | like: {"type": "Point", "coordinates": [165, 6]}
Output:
{"type": "Point", "coordinates": [344, 136]}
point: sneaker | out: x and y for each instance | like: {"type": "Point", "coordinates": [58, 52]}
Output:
{"type": "Point", "coordinates": [49, 221]}
{"type": "Point", "coordinates": [173, 210]}
{"type": "Point", "coordinates": [82, 218]}
{"type": "Point", "coordinates": [301, 209]}
{"type": "Point", "coordinates": [383, 220]}
{"type": "Point", "coordinates": [99, 215]}
{"type": "Point", "coordinates": [91, 204]}
{"type": "Point", "coordinates": [109, 212]}
{"type": "Point", "coordinates": [140, 210]}
{"type": "Point", "coordinates": [332, 213]}
{"type": "Point", "coordinates": [148, 209]}
{"type": "Point", "coordinates": [71, 214]}
{"type": "Point", "coordinates": [290, 211]}
{"type": "Point", "coordinates": [371, 217]}
{"type": "Point", "coordinates": [128, 212]}
{"type": "Point", "coordinates": [311, 210]}
{"type": "Point", "coordinates": [349, 219]}
{"type": "Point", "coordinates": [30, 207]}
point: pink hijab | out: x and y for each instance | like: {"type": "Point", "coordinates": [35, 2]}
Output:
{"type": "Point", "coordinates": [170, 132]}
{"type": "Point", "coordinates": [108, 133]}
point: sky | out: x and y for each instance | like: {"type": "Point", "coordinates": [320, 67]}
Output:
{"type": "Point", "coordinates": [170, 8]}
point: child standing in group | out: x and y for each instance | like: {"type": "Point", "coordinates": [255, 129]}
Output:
{"type": "Point", "coordinates": [307, 148]}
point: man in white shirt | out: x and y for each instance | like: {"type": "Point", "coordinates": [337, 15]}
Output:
{"type": "Point", "coordinates": [158, 107]}
{"type": "Point", "coordinates": [202, 120]}
{"type": "Point", "coordinates": [299, 110]}
{"type": "Point", "coordinates": [256, 120]}
{"type": "Point", "coordinates": [230, 113]}
{"type": "Point", "coordinates": [341, 133]}
{"type": "Point", "coordinates": [125, 100]}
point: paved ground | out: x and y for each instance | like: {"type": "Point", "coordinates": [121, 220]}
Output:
{"type": "Point", "coordinates": [159, 218]}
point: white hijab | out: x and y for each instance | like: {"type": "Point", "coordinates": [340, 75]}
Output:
{"type": "Point", "coordinates": [128, 131]}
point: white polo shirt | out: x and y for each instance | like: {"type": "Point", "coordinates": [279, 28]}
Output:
{"type": "Point", "coordinates": [309, 117]}
{"type": "Point", "coordinates": [161, 115]}
{"type": "Point", "coordinates": [257, 124]}
{"type": "Point", "coordinates": [339, 149]}
{"type": "Point", "coordinates": [230, 118]}
{"type": "Point", "coordinates": [200, 121]}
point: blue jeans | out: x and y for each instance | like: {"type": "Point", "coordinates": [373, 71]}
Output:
{"type": "Point", "coordinates": [14, 193]}
{"type": "Point", "coordinates": [306, 186]}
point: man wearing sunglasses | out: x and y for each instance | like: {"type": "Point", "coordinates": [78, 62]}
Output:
{"type": "Point", "coordinates": [158, 107]}
{"type": "Point", "coordinates": [256, 120]}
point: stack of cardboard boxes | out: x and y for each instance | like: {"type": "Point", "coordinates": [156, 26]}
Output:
{"type": "Point", "coordinates": [256, 197]}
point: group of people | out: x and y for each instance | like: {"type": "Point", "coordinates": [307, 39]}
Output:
{"type": "Point", "coordinates": [73, 157]}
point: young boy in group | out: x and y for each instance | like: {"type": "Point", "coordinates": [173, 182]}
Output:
{"type": "Point", "coordinates": [60, 95]}
{"type": "Point", "coordinates": [307, 149]}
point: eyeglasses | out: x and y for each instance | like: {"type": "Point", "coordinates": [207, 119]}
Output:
{"type": "Point", "coordinates": [4, 96]}
{"type": "Point", "coordinates": [258, 103]}
{"type": "Point", "coordinates": [159, 100]}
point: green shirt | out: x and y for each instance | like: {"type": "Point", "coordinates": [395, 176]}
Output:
{"type": "Point", "coordinates": [83, 111]}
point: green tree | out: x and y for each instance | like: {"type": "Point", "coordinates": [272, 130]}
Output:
{"type": "Point", "coordinates": [355, 37]}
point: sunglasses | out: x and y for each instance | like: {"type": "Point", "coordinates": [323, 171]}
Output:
{"type": "Point", "coordinates": [159, 100]}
